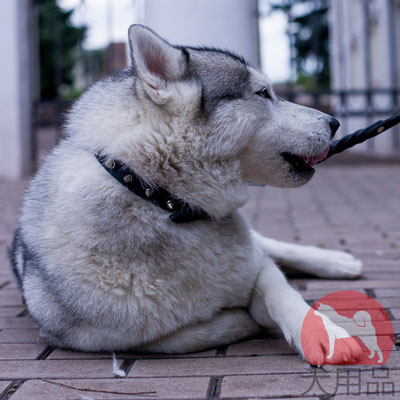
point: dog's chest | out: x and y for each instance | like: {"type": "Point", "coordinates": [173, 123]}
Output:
{"type": "Point", "coordinates": [191, 269]}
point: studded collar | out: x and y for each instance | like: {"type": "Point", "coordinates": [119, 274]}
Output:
{"type": "Point", "coordinates": [179, 210]}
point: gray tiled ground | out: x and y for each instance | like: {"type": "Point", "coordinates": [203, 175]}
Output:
{"type": "Point", "coordinates": [354, 208]}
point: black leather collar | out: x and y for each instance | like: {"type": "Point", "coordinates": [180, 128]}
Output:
{"type": "Point", "coordinates": [179, 210]}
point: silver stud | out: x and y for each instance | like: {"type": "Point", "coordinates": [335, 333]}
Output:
{"type": "Point", "coordinates": [380, 129]}
{"type": "Point", "coordinates": [110, 164]}
{"type": "Point", "coordinates": [128, 178]}
{"type": "Point", "coordinates": [170, 205]}
{"type": "Point", "coordinates": [148, 192]}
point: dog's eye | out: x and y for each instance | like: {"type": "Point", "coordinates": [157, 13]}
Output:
{"type": "Point", "coordinates": [264, 92]}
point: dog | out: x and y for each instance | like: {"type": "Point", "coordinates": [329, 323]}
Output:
{"type": "Point", "coordinates": [130, 237]}
{"type": "Point", "coordinates": [360, 325]}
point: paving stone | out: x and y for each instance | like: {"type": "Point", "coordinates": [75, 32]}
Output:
{"type": "Point", "coordinates": [391, 302]}
{"type": "Point", "coordinates": [164, 388]}
{"type": "Point", "coordinates": [367, 304]}
{"type": "Point", "coordinates": [259, 386]}
{"type": "Point", "coordinates": [366, 395]}
{"type": "Point", "coordinates": [381, 275]}
{"type": "Point", "coordinates": [387, 293]}
{"type": "Point", "coordinates": [20, 351]}
{"type": "Point", "coordinates": [381, 265]}
{"type": "Point", "coordinates": [260, 347]}
{"type": "Point", "coordinates": [17, 323]}
{"type": "Point", "coordinates": [19, 336]}
{"type": "Point", "coordinates": [393, 363]}
{"type": "Point", "coordinates": [5, 273]}
{"type": "Point", "coordinates": [356, 284]}
{"type": "Point", "coordinates": [352, 208]}
{"type": "Point", "coordinates": [27, 369]}
{"type": "Point", "coordinates": [76, 355]}
{"type": "Point", "coordinates": [139, 355]}
{"type": "Point", "coordinates": [10, 297]}
{"type": "Point", "coordinates": [318, 294]}
{"type": "Point", "coordinates": [3, 386]}
{"type": "Point", "coordinates": [395, 312]}
{"type": "Point", "coordinates": [10, 311]}
{"type": "Point", "coordinates": [218, 366]}
{"type": "Point", "coordinates": [4, 281]}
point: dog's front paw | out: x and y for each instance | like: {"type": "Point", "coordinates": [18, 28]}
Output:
{"type": "Point", "coordinates": [323, 342]}
{"type": "Point", "coordinates": [316, 352]}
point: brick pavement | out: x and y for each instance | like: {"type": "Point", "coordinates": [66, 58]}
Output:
{"type": "Point", "coordinates": [354, 208]}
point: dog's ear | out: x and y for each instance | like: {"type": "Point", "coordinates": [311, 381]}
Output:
{"type": "Point", "coordinates": [155, 62]}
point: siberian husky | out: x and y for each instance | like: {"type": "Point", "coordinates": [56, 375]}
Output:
{"type": "Point", "coordinates": [130, 235]}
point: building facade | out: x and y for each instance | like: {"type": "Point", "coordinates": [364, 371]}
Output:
{"type": "Point", "coordinates": [365, 54]}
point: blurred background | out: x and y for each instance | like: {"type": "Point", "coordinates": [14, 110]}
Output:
{"type": "Point", "coordinates": [340, 56]}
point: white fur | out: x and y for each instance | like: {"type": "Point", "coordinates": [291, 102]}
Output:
{"type": "Point", "coordinates": [135, 278]}
{"type": "Point", "coordinates": [116, 369]}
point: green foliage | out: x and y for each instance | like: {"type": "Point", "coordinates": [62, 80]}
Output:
{"type": "Point", "coordinates": [58, 44]}
{"type": "Point", "coordinates": [310, 38]}
{"type": "Point", "coordinates": [71, 94]}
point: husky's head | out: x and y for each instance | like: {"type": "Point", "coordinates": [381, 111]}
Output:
{"type": "Point", "coordinates": [234, 107]}
{"type": "Point", "coordinates": [203, 122]}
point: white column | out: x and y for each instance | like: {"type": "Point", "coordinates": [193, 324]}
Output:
{"type": "Point", "coordinates": [228, 24]}
{"type": "Point", "coordinates": [15, 93]}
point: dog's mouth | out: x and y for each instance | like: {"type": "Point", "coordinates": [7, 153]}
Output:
{"type": "Point", "coordinates": [304, 164]}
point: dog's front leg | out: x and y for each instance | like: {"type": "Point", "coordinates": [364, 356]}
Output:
{"type": "Point", "coordinates": [273, 298]}
{"type": "Point", "coordinates": [323, 263]}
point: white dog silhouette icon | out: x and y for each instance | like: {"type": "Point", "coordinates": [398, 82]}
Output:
{"type": "Point", "coordinates": [359, 326]}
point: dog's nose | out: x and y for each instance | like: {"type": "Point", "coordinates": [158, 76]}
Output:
{"type": "Point", "coordinates": [334, 125]}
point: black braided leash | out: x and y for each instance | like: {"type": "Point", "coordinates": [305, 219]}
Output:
{"type": "Point", "coordinates": [180, 211]}
{"type": "Point", "coordinates": [362, 135]}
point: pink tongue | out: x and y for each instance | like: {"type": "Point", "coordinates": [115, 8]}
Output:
{"type": "Point", "coordinates": [315, 159]}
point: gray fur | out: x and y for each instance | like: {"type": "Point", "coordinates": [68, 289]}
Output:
{"type": "Point", "coordinates": [105, 270]}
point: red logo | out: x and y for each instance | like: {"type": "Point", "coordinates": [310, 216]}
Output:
{"type": "Point", "coordinates": [339, 319]}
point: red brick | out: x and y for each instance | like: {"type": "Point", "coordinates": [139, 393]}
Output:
{"type": "Point", "coordinates": [171, 388]}
{"type": "Point", "coordinates": [381, 265]}
{"type": "Point", "coordinates": [380, 293]}
{"type": "Point", "coordinates": [318, 294]}
{"type": "Point", "coordinates": [348, 285]}
{"type": "Point", "coordinates": [10, 297]}
{"type": "Point", "coordinates": [392, 363]}
{"type": "Point", "coordinates": [19, 336]}
{"type": "Point", "coordinates": [395, 312]}
{"type": "Point", "coordinates": [56, 369]}
{"type": "Point", "coordinates": [76, 355]}
{"type": "Point", "coordinates": [217, 366]}
{"type": "Point", "coordinates": [249, 386]}
{"type": "Point", "coordinates": [17, 323]}
{"type": "Point", "coordinates": [260, 347]}
{"type": "Point", "coordinates": [20, 351]}
{"type": "Point", "coordinates": [10, 311]}
{"type": "Point", "coordinates": [4, 280]}
{"type": "Point", "coordinates": [3, 386]}
{"type": "Point", "coordinates": [390, 302]}
{"type": "Point", "coordinates": [139, 355]}
{"type": "Point", "coordinates": [297, 384]}
{"type": "Point", "coordinates": [390, 275]}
